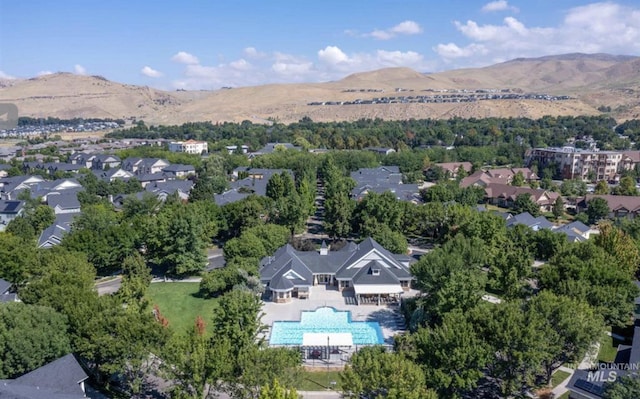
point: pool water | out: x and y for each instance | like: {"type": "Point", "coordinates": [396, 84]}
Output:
{"type": "Point", "coordinates": [325, 320]}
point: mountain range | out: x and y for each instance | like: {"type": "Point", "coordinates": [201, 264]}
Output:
{"type": "Point", "coordinates": [594, 83]}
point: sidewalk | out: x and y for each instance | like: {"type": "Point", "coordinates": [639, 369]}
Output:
{"type": "Point", "coordinates": [320, 394]}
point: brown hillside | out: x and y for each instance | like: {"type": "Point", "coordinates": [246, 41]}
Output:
{"type": "Point", "coordinates": [593, 80]}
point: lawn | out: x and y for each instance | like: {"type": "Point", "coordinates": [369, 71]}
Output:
{"type": "Point", "coordinates": [558, 377]}
{"type": "Point", "coordinates": [608, 348]}
{"type": "Point", "coordinates": [178, 302]}
{"type": "Point", "coordinates": [318, 380]}
{"type": "Point", "coordinates": [564, 395]}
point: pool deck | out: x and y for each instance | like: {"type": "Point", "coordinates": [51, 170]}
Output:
{"type": "Point", "coordinates": [388, 316]}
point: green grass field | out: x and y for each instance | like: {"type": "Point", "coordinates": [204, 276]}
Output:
{"type": "Point", "coordinates": [558, 377]}
{"type": "Point", "coordinates": [318, 380]}
{"type": "Point", "coordinates": [608, 348]}
{"type": "Point", "coordinates": [179, 304]}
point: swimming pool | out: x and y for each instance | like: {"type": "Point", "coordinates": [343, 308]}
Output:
{"type": "Point", "coordinates": [325, 320]}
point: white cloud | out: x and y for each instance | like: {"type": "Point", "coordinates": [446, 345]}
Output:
{"type": "Point", "coordinates": [332, 63]}
{"type": "Point", "coordinates": [403, 28]}
{"type": "Point", "coordinates": [43, 73]}
{"type": "Point", "coordinates": [79, 69]}
{"type": "Point", "coordinates": [593, 28]}
{"type": "Point", "coordinates": [150, 72]}
{"type": "Point", "coordinates": [183, 57]}
{"type": "Point", "coordinates": [252, 52]}
{"type": "Point", "coordinates": [6, 76]}
{"type": "Point", "coordinates": [332, 55]}
{"type": "Point", "coordinates": [498, 5]}
{"type": "Point", "coordinates": [452, 50]}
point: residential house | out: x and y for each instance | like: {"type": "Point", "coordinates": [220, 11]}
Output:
{"type": "Point", "coordinates": [451, 168]}
{"type": "Point", "coordinates": [62, 167]}
{"type": "Point", "coordinates": [106, 161]}
{"type": "Point", "coordinates": [9, 210]}
{"type": "Point", "coordinates": [482, 179]}
{"type": "Point", "coordinates": [63, 378]}
{"type": "Point", "coordinates": [576, 231]}
{"type": "Point", "coordinates": [54, 234]}
{"type": "Point", "coordinates": [83, 159]}
{"type": "Point", "coordinates": [620, 206]}
{"type": "Point", "coordinates": [148, 178]}
{"type": "Point", "coordinates": [248, 181]}
{"type": "Point", "coordinates": [140, 166]}
{"type": "Point", "coordinates": [271, 147]}
{"type": "Point", "coordinates": [189, 147]}
{"type": "Point", "coordinates": [5, 292]}
{"type": "Point", "coordinates": [535, 224]}
{"type": "Point", "coordinates": [164, 189]}
{"type": "Point", "coordinates": [64, 202]}
{"type": "Point", "coordinates": [381, 150]}
{"type": "Point", "coordinates": [365, 271]}
{"type": "Point", "coordinates": [44, 189]}
{"type": "Point", "coordinates": [179, 170]}
{"type": "Point", "coordinates": [10, 187]}
{"type": "Point", "coordinates": [504, 195]}
{"type": "Point", "coordinates": [233, 149]}
{"type": "Point", "coordinates": [383, 179]}
{"type": "Point", "coordinates": [113, 174]}
{"type": "Point", "coordinates": [4, 170]}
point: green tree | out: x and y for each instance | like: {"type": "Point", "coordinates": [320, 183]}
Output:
{"type": "Point", "coordinates": [627, 186]}
{"type": "Point", "coordinates": [597, 209]}
{"type": "Point", "coordinates": [451, 275]}
{"type": "Point", "coordinates": [368, 374]}
{"type": "Point", "coordinates": [569, 326]}
{"type": "Point", "coordinates": [394, 241]}
{"type": "Point", "coordinates": [509, 269]}
{"type": "Point", "coordinates": [602, 188]}
{"type": "Point", "coordinates": [524, 203]}
{"type": "Point", "coordinates": [196, 362]}
{"type": "Point", "coordinates": [17, 258]}
{"type": "Point", "coordinates": [625, 387]}
{"type": "Point", "coordinates": [586, 272]}
{"type": "Point", "coordinates": [219, 281]}
{"type": "Point", "coordinates": [277, 391]}
{"type": "Point", "coordinates": [518, 346]}
{"type": "Point", "coordinates": [452, 355]}
{"type": "Point", "coordinates": [620, 245]}
{"type": "Point", "coordinates": [338, 212]}
{"type": "Point", "coordinates": [558, 208]}
{"type": "Point", "coordinates": [518, 180]}
{"type": "Point", "coordinates": [30, 336]}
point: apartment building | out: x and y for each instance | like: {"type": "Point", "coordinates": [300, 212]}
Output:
{"type": "Point", "coordinates": [574, 163]}
{"type": "Point", "coordinates": [189, 146]}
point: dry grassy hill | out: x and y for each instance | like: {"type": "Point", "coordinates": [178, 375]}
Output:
{"type": "Point", "coordinates": [593, 80]}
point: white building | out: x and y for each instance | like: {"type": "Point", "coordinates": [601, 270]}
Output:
{"type": "Point", "coordinates": [189, 146]}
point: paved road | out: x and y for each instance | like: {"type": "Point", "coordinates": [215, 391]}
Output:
{"type": "Point", "coordinates": [319, 394]}
{"type": "Point", "coordinates": [109, 287]}
{"type": "Point", "coordinates": [216, 259]}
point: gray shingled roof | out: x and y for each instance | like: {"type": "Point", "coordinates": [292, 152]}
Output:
{"type": "Point", "coordinates": [4, 286]}
{"type": "Point", "coordinates": [59, 379]}
{"type": "Point", "coordinates": [63, 200]}
{"type": "Point", "coordinates": [343, 264]}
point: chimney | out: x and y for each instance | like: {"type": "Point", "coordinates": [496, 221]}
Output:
{"type": "Point", "coordinates": [324, 250]}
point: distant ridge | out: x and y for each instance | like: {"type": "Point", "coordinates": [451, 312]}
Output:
{"type": "Point", "coordinates": [592, 81]}
{"type": "Point", "coordinates": [577, 57]}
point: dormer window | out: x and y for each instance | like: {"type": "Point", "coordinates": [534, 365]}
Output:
{"type": "Point", "coordinates": [375, 272]}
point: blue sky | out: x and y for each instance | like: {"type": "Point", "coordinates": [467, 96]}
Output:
{"type": "Point", "coordinates": [209, 44]}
